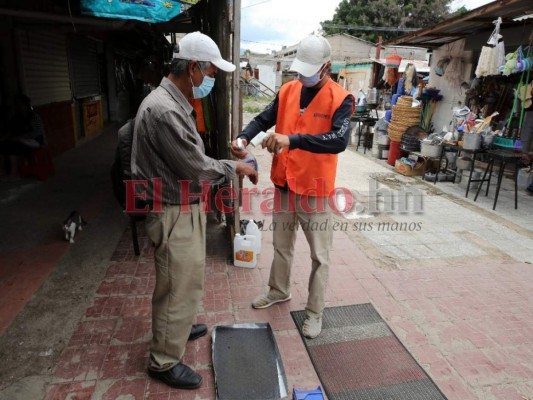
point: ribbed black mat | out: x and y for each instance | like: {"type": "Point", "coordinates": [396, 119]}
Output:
{"type": "Point", "coordinates": [247, 363]}
{"type": "Point", "coordinates": [357, 357]}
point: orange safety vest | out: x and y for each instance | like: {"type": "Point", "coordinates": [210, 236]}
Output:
{"type": "Point", "coordinates": [306, 173]}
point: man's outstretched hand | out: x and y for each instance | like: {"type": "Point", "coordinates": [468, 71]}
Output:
{"type": "Point", "coordinates": [245, 169]}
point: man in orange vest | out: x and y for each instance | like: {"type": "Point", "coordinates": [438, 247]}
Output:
{"type": "Point", "coordinates": [312, 118]}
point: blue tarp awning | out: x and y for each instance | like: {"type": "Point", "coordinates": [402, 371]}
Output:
{"type": "Point", "coordinates": [142, 10]}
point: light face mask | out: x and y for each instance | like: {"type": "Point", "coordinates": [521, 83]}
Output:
{"type": "Point", "coordinates": [310, 81]}
{"type": "Point", "coordinates": [205, 87]}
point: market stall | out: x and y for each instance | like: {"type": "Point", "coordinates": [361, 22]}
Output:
{"type": "Point", "coordinates": [478, 97]}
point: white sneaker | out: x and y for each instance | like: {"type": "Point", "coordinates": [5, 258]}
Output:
{"type": "Point", "coordinates": [266, 300]}
{"type": "Point", "coordinates": [312, 327]}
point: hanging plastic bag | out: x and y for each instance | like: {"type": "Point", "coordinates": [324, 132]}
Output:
{"type": "Point", "coordinates": [493, 55]}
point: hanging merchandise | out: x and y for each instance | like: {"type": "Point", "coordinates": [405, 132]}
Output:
{"type": "Point", "coordinates": [523, 94]}
{"type": "Point", "coordinates": [511, 59]}
{"type": "Point", "coordinates": [455, 71]}
{"type": "Point", "coordinates": [526, 93]}
{"type": "Point", "coordinates": [516, 62]}
{"type": "Point", "coordinates": [410, 80]}
{"type": "Point", "coordinates": [493, 55]}
{"type": "Point", "coordinates": [393, 61]}
{"type": "Point", "coordinates": [391, 76]}
{"type": "Point", "coordinates": [442, 64]}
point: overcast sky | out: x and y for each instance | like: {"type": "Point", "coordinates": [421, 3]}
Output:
{"type": "Point", "coordinates": [267, 25]}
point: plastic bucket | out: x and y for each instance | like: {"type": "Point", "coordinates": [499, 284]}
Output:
{"type": "Point", "coordinates": [383, 139]}
{"type": "Point", "coordinates": [451, 156]}
{"type": "Point", "coordinates": [383, 151]}
{"type": "Point", "coordinates": [394, 153]}
{"type": "Point", "coordinates": [524, 179]}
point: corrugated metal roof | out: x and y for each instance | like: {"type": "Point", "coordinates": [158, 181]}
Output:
{"type": "Point", "coordinates": [473, 22]}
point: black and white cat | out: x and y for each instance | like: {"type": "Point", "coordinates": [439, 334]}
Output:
{"type": "Point", "coordinates": [73, 223]}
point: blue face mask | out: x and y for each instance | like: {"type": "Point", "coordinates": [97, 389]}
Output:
{"type": "Point", "coordinates": [205, 87]}
{"type": "Point", "coordinates": [310, 81]}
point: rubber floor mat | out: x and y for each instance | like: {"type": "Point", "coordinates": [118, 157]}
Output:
{"type": "Point", "coordinates": [357, 357]}
{"type": "Point", "coordinates": [247, 363]}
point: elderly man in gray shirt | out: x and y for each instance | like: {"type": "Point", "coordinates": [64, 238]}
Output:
{"type": "Point", "coordinates": [168, 153]}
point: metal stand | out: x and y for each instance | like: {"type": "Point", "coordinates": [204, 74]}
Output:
{"type": "Point", "coordinates": [364, 120]}
{"type": "Point", "coordinates": [504, 157]}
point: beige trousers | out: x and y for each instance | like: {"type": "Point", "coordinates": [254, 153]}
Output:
{"type": "Point", "coordinates": [179, 239]}
{"type": "Point", "coordinates": [317, 227]}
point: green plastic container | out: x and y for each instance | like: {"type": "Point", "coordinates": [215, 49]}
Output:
{"type": "Point", "coordinates": [503, 142]}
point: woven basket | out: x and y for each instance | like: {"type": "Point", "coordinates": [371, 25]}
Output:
{"type": "Point", "coordinates": [405, 101]}
{"type": "Point", "coordinates": [395, 134]}
{"type": "Point", "coordinates": [405, 125]}
{"type": "Point", "coordinates": [407, 110]}
{"type": "Point", "coordinates": [399, 117]}
{"type": "Point", "coordinates": [405, 117]}
{"type": "Point", "coordinates": [395, 137]}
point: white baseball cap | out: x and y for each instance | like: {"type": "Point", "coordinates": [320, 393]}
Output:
{"type": "Point", "coordinates": [196, 46]}
{"type": "Point", "coordinates": [313, 52]}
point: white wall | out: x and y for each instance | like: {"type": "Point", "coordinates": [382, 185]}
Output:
{"type": "Point", "coordinates": [353, 78]}
{"type": "Point", "coordinates": [345, 48]}
{"type": "Point", "coordinates": [267, 75]}
{"type": "Point", "coordinates": [406, 52]}
{"type": "Point", "coordinates": [454, 95]}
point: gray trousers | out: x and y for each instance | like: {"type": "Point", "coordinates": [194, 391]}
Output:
{"type": "Point", "coordinates": [179, 239]}
{"type": "Point", "coordinates": [317, 227]}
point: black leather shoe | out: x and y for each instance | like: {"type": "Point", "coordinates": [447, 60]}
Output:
{"type": "Point", "coordinates": [197, 331]}
{"type": "Point", "coordinates": [180, 376]}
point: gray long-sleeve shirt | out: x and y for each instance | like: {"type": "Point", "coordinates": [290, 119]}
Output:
{"type": "Point", "coordinates": [167, 145]}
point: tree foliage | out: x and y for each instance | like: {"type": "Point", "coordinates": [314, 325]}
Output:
{"type": "Point", "coordinates": [385, 13]}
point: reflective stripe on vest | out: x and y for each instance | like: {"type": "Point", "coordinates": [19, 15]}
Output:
{"type": "Point", "coordinates": [306, 173]}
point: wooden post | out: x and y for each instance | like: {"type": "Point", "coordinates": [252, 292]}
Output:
{"type": "Point", "coordinates": [236, 103]}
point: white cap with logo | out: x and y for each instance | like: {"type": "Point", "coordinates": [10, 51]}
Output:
{"type": "Point", "coordinates": [313, 52]}
{"type": "Point", "coordinates": [196, 46]}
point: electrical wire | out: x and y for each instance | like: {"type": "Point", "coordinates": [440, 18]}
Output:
{"type": "Point", "coordinates": [371, 28]}
{"type": "Point", "coordinates": [255, 4]}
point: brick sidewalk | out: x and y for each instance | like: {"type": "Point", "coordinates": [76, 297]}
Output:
{"type": "Point", "coordinates": [469, 328]}
{"type": "Point", "coordinates": [463, 310]}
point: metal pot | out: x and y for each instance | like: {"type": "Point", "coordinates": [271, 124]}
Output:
{"type": "Point", "coordinates": [430, 150]}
